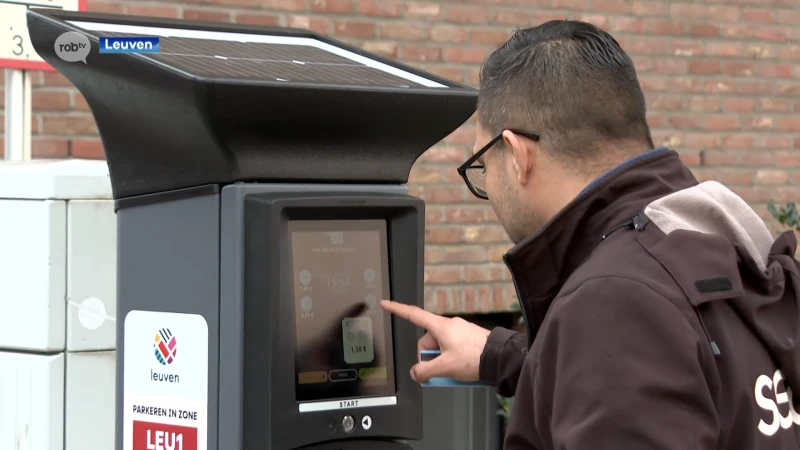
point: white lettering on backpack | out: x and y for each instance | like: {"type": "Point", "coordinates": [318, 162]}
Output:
{"type": "Point", "coordinates": [768, 404]}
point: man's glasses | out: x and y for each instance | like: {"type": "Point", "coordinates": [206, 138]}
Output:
{"type": "Point", "coordinates": [474, 172]}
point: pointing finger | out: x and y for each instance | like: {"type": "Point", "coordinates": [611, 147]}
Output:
{"type": "Point", "coordinates": [414, 314]}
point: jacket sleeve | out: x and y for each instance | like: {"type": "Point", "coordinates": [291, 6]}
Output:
{"type": "Point", "coordinates": [621, 367]}
{"type": "Point", "coordinates": [501, 360]}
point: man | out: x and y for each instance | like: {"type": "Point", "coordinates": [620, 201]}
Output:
{"type": "Point", "coordinates": [661, 313]}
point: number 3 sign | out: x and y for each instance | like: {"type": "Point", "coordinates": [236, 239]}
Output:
{"type": "Point", "coordinates": [16, 51]}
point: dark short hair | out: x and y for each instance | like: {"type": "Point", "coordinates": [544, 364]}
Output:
{"type": "Point", "coordinates": [570, 82]}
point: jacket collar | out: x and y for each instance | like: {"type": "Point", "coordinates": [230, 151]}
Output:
{"type": "Point", "coordinates": [541, 263]}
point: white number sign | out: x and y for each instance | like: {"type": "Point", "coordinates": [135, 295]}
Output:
{"type": "Point", "coordinates": [16, 51]}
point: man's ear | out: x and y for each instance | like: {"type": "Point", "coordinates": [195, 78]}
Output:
{"type": "Point", "coordinates": [522, 156]}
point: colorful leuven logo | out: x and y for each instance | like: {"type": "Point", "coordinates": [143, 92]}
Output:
{"type": "Point", "coordinates": [166, 346]}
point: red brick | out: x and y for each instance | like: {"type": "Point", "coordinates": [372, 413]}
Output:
{"type": "Point", "coordinates": [466, 214]}
{"type": "Point", "coordinates": [468, 14]}
{"type": "Point", "coordinates": [425, 11]}
{"type": "Point", "coordinates": [665, 101]}
{"type": "Point", "coordinates": [684, 121]}
{"type": "Point", "coordinates": [796, 180]}
{"type": "Point", "coordinates": [382, 48]}
{"type": "Point", "coordinates": [702, 141]}
{"type": "Point", "coordinates": [754, 87]}
{"type": "Point", "coordinates": [485, 233]}
{"type": "Point", "coordinates": [656, 120]}
{"type": "Point", "coordinates": [788, 17]}
{"type": "Point", "coordinates": [704, 67]}
{"type": "Point", "coordinates": [503, 17]}
{"type": "Point", "coordinates": [317, 25]}
{"type": "Point", "coordinates": [688, 10]}
{"type": "Point", "coordinates": [670, 65]}
{"type": "Point", "coordinates": [722, 123]}
{"type": "Point", "coordinates": [105, 7]}
{"type": "Point", "coordinates": [473, 274]}
{"type": "Point", "coordinates": [724, 13]}
{"type": "Point", "coordinates": [686, 48]}
{"type": "Point", "coordinates": [462, 135]}
{"type": "Point", "coordinates": [705, 174]}
{"type": "Point", "coordinates": [258, 19]}
{"type": "Point", "coordinates": [433, 255]}
{"type": "Point", "coordinates": [758, 15]}
{"type": "Point", "coordinates": [433, 214]}
{"type": "Point", "coordinates": [597, 20]}
{"type": "Point", "coordinates": [284, 5]}
{"type": "Point", "coordinates": [154, 11]}
{"type": "Point", "coordinates": [332, 6]}
{"type": "Point", "coordinates": [443, 234]}
{"type": "Point", "coordinates": [489, 37]}
{"type": "Point", "coordinates": [87, 148]}
{"type": "Point", "coordinates": [579, 5]}
{"type": "Point", "coordinates": [61, 124]}
{"type": "Point", "coordinates": [787, 159]}
{"type": "Point", "coordinates": [760, 51]}
{"type": "Point", "coordinates": [774, 105]}
{"type": "Point", "coordinates": [771, 177]}
{"type": "Point", "coordinates": [736, 176]}
{"type": "Point", "coordinates": [788, 89]}
{"type": "Point", "coordinates": [771, 70]}
{"type": "Point", "coordinates": [724, 49]}
{"type": "Point", "coordinates": [791, 52]}
{"type": "Point", "coordinates": [773, 34]}
{"type": "Point", "coordinates": [447, 72]}
{"type": "Point", "coordinates": [49, 148]}
{"type": "Point", "coordinates": [739, 105]}
{"type": "Point", "coordinates": [659, 26]}
{"type": "Point", "coordinates": [54, 79]}
{"type": "Point", "coordinates": [445, 153]}
{"type": "Point", "coordinates": [787, 194]}
{"type": "Point", "coordinates": [442, 274]}
{"type": "Point", "coordinates": [757, 123]}
{"type": "Point", "coordinates": [381, 8]}
{"type": "Point", "coordinates": [425, 175]}
{"type": "Point", "coordinates": [704, 29]}
{"type": "Point", "coordinates": [690, 158]}
{"type": "Point", "coordinates": [720, 158]}
{"type": "Point", "coordinates": [739, 69]}
{"type": "Point", "coordinates": [739, 31]}
{"type": "Point", "coordinates": [626, 24]}
{"type": "Point", "coordinates": [647, 46]}
{"type": "Point", "coordinates": [448, 33]}
{"type": "Point", "coordinates": [465, 55]}
{"type": "Point", "coordinates": [612, 6]}
{"type": "Point", "coordinates": [355, 29]}
{"type": "Point", "coordinates": [753, 194]}
{"type": "Point", "coordinates": [720, 86]}
{"type": "Point", "coordinates": [686, 84]}
{"type": "Point", "coordinates": [650, 8]}
{"type": "Point", "coordinates": [206, 15]}
{"type": "Point", "coordinates": [704, 103]}
{"type": "Point", "coordinates": [641, 63]}
{"type": "Point", "coordinates": [50, 100]}
{"type": "Point", "coordinates": [405, 31]}
{"type": "Point", "coordinates": [758, 159]}
{"type": "Point", "coordinates": [472, 76]}
{"type": "Point", "coordinates": [774, 142]}
{"type": "Point", "coordinates": [413, 52]}
{"type": "Point", "coordinates": [463, 254]}
{"type": "Point", "coordinates": [653, 83]}
{"type": "Point", "coordinates": [737, 141]}
{"type": "Point", "coordinates": [788, 124]}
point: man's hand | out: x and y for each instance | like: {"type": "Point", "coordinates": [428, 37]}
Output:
{"type": "Point", "coordinates": [460, 342]}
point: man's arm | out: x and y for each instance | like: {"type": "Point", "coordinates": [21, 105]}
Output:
{"type": "Point", "coordinates": [501, 360]}
{"type": "Point", "coordinates": [620, 367]}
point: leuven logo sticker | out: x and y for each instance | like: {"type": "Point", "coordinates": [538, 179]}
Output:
{"type": "Point", "coordinates": [166, 346]}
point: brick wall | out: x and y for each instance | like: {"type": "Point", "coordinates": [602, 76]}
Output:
{"type": "Point", "coordinates": [722, 81]}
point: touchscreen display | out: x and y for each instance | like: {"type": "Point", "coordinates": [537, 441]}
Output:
{"type": "Point", "coordinates": [343, 339]}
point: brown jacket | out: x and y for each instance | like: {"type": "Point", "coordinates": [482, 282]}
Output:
{"type": "Point", "coordinates": [677, 331]}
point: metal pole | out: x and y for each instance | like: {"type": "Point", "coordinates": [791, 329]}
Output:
{"type": "Point", "coordinates": [18, 115]}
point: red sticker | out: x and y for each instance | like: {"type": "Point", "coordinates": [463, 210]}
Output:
{"type": "Point", "coordinates": [159, 436]}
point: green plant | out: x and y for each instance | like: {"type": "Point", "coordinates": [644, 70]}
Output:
{"type": "Point", "coordinates": [504, 410]}
{"type": "Point", "coordinates": [787, 215]}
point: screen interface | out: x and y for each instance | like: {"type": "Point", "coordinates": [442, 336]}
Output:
{"type": "Point", "coordinates": [343, 339]}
